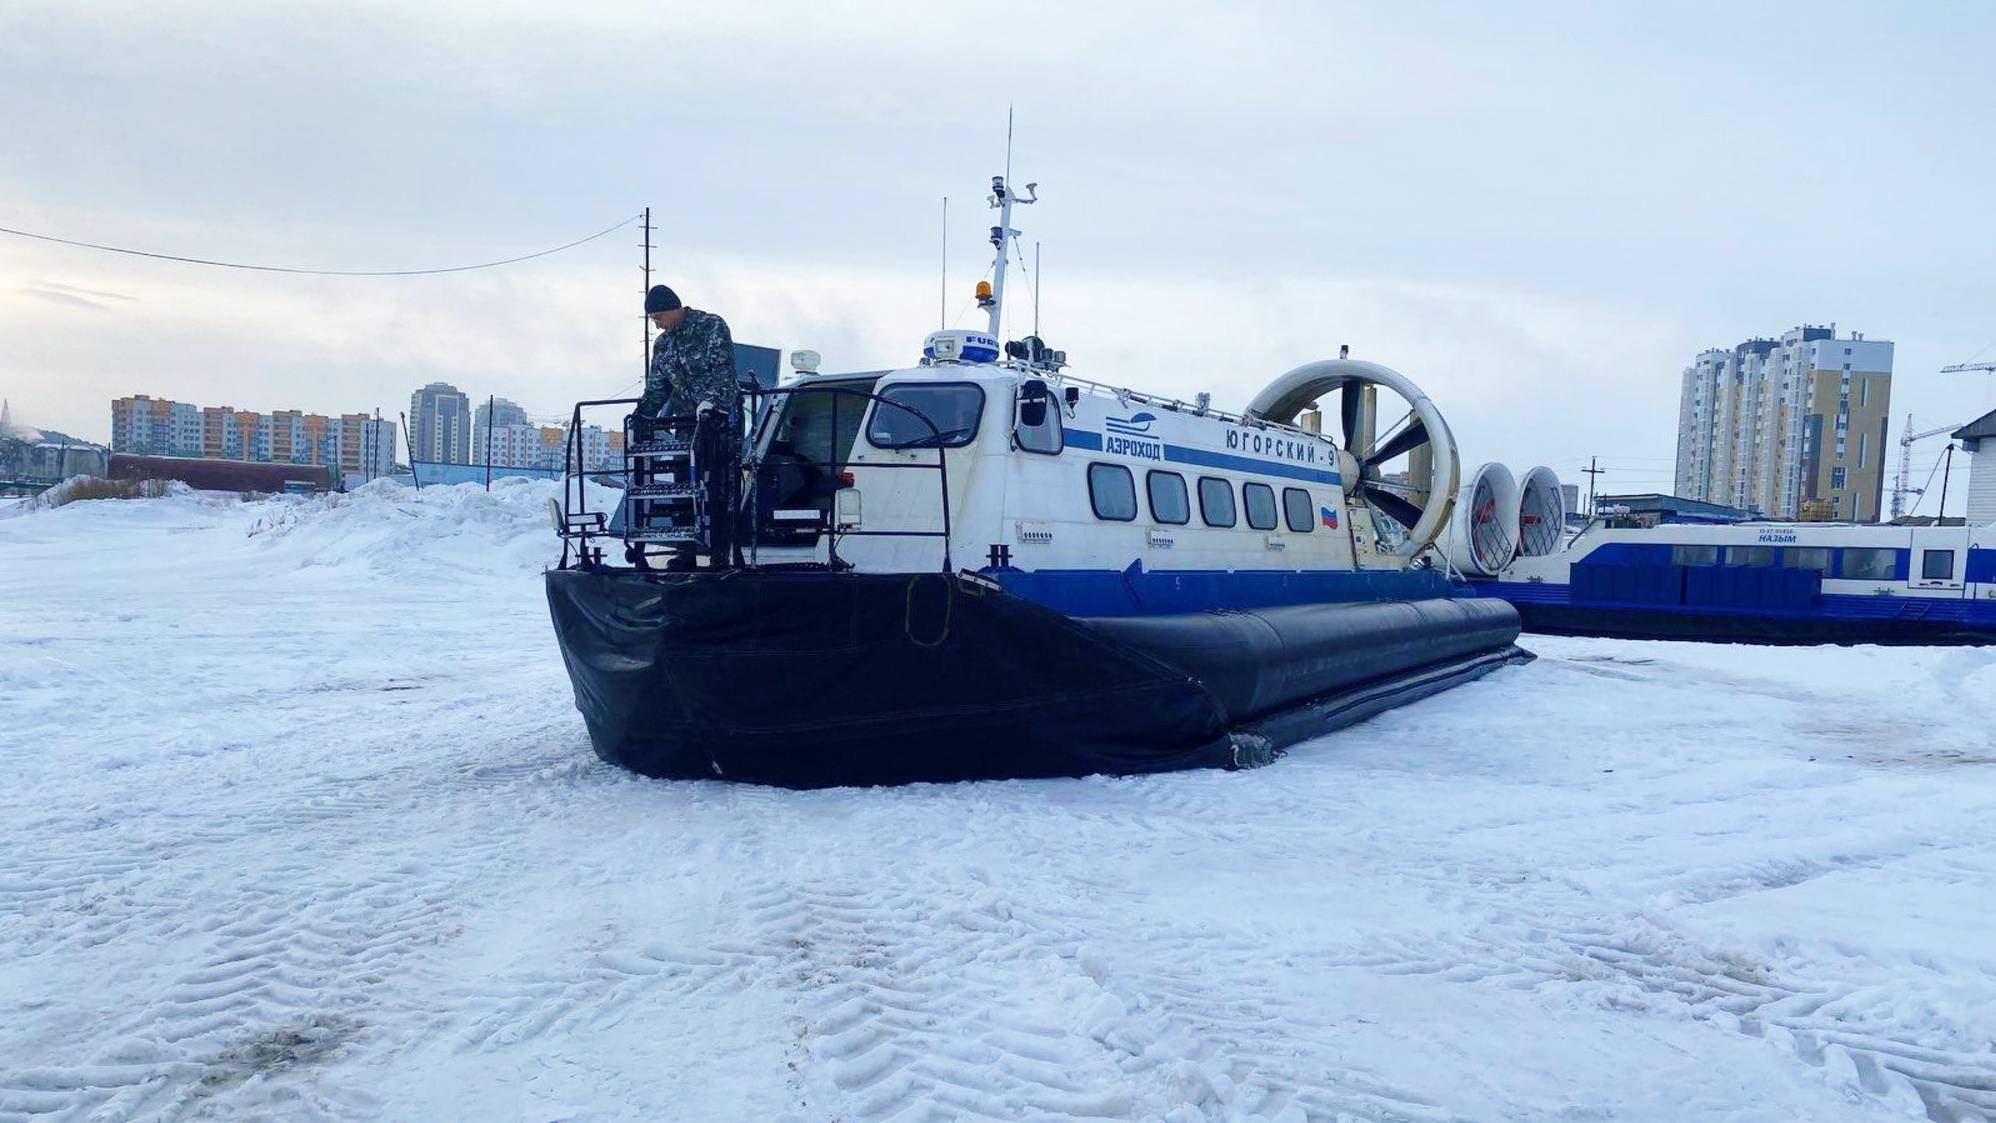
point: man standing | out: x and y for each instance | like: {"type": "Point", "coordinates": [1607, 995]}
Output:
{"type": "Point", "coordinates": [693, 375]}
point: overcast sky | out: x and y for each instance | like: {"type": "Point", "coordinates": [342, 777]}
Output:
{"type": "Point", "coordinates": [1537, 212]}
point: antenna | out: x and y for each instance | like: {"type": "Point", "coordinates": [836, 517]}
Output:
{"type": "Point", "coordinates": [645, 331]}
{"type": "Point", "coordinates": [1036, 289]}
{"type": "Point", "coordinates": [1008, 142]}
{"type": "Point", "coordinates": [942, 301]}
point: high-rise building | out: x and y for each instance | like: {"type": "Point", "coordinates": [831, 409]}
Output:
{"type": "Point", "coordinates": [440, 425]}
{"type": "Point", "coordinates": [1791, 428]}
{"type": "Point", "coordinates": [495, 413]}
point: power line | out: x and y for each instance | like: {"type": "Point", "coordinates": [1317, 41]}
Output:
{"type": "Point", "coordinates": [317, 272]}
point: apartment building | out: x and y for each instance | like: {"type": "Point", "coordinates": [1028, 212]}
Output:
{"type": "Point", "coordinates": [546, 447]}
{"type": "Point", "coordinates": [352, 444]}
{"type": "Point", "coordinates": [1793, 427]}
{"type": "Point", "coordinates": [440, 425]}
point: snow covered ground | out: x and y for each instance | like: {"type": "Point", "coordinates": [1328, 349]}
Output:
{"type": "Point", "coordinates": [300, 823]}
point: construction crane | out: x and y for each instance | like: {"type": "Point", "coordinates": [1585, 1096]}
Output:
{"type": "Point", "coordinates": [1900, 490]}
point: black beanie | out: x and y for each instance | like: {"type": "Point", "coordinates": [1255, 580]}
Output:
{"type": "Point", "coordinates": [660, 299]}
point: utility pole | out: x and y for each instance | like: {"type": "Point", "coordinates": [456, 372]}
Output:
{"type": "Point", "coordinates": [409, 439]}
{"type": "Point", "coordinates": [1940, 512]}
{"type": "Point", "coordinates": [645, 331]}
{"type": "Point", "coordinates": [1592, 470]}
{"type": "Point", "coordinates": [491, 409]}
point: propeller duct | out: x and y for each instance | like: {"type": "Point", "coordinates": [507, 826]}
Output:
{"type": "Point", "coordinates": [1541, 513]}
{"type": "Point", "coordinates": [1416, 504]}
{"type": "Point", "coordinates": [1482, 537]}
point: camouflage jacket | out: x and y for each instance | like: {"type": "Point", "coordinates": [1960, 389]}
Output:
{"type": "Point", "coordinates": [692, 363]}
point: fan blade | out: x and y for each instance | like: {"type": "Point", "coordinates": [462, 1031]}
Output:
{"type": "Point", "coordinates": [1413, 436]}
{"type": "Point", "coordinates": [1348, 407]}
{"type": "Point", "coordinates": [1396, 508]}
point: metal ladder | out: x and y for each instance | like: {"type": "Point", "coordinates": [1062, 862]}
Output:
{"type": "Point", "coordinates": [665, 502]}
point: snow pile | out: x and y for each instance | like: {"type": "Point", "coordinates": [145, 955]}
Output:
{"type": "Point", "coordinates": [301, 824]}
{"type": "Point", "coordinates": [397, 530]}
{"type": "Point", "coordinates": [85, 488]}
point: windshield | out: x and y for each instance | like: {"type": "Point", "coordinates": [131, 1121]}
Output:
{"type": "Point", "coordinates": [952, 407]}
{"type": "Point", "coordinates": [820, 426]}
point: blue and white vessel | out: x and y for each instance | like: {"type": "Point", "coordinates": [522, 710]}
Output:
{"type": "Point", "coordinates": [983, 565]}
{"type": "Point", "coordinates": [1759, 582]}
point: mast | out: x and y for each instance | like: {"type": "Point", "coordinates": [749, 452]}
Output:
{"type": "Point", "coordinates": [1002, 234]}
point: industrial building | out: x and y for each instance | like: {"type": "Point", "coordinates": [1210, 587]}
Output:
{"type": "Point", "coordinates": [1793, 428]}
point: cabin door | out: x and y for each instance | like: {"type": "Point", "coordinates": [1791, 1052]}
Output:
{"type": "Point", "coordinates": [1940, 557]}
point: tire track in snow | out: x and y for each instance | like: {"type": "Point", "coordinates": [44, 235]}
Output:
{"type": "Point", "coordinates": [308, 958]}
{"type": "Point", "coordinates": [300, 970]}
{"type": "Point", "coordinates": [1846, 1030]}
{"type": "Point", "coordinates": [917, 998]}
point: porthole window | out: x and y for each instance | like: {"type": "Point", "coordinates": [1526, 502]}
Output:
{"type": "Point", "coordinates": [1112, 492]}
{"type": "Point", "coordinates": [1168, 502]}
{"type": "Point", "coordinates": [1296, 510]}
{"type": "Point", "coordinates": [1260, 502]}
{"type": "Point", "coordinates": [1216, 501]}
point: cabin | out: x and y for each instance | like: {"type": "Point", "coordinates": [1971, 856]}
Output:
{"type": "Point", "coordinates": [1091, 499]}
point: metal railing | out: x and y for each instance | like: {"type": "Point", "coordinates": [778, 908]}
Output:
{"type": "Point", "coordinates": [833, 531]}
{"type": "Point", "coordinates": [580, 527]}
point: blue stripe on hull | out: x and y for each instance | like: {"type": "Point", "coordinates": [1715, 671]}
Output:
{"type": "Point", "coordinates": [1134, 592]}
{"type": "Point", "coordinates": [1829, 606]}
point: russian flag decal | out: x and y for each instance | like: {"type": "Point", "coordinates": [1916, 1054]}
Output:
{"type": "Point", "coordinates": [1329, 516]}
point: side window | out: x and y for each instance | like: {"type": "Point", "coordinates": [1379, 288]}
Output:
{"type": "Point", "coordinates": [1694, 555]}
{"type": "Point", "coordinates": [1936, 565]}
{"type": "Point", "coordinates": [1296, 510]}
{"type": "Point", "coordinates": [1168, 503]}
{"type": "Point", "coordinates": [1260, 502]}
{"type": "Point", "coordinates": [1749, 555]}
{"type": "Point", "coordinates": [1216, 501]}
{"type": "Point", "coordinates": [1036, 421]}
{"type": "Point", "coordinates": [1869, 565]}
{"type": "Point", "coordinates": [1112, 491]}
{"type": "Point", "coordinates": [1806, 557]}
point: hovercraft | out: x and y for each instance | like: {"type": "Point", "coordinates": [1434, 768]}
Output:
{"type": "Point", "coordinates": [983, 566]}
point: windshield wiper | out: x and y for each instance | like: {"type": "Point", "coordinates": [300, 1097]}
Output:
{"type": "Point", "coordinates": [936, 439]}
